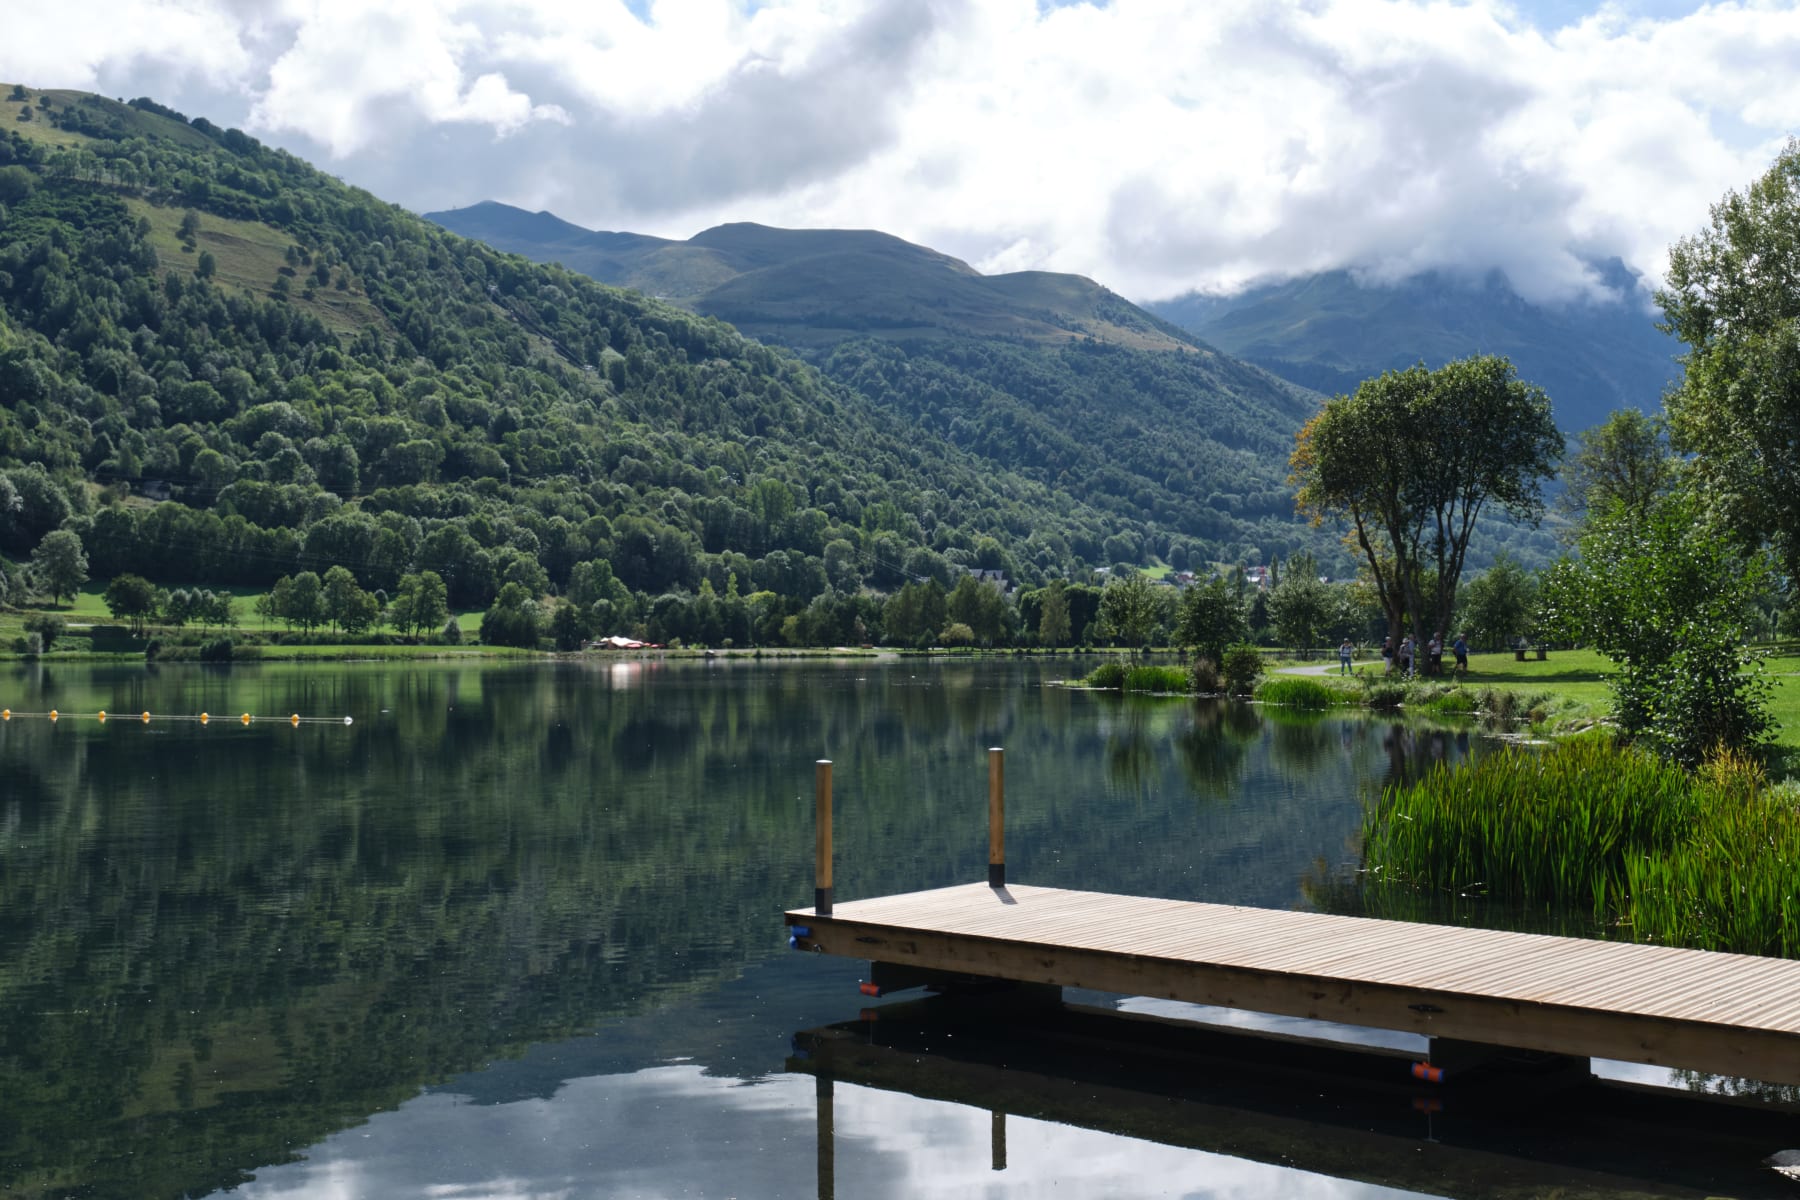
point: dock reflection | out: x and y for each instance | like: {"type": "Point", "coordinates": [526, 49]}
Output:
{"type": "Point", "coordinates": [1353, 1113]}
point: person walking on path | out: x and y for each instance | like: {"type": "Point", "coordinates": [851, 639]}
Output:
{"type": "Point", "coordinates": [1406, 657]}
{"type": "Point", "coordinates": [1345, 653]}
{"type": "Point", "coordinates": [1387, 655]}
{"type": "Point", "coordinates": [1460, 648]}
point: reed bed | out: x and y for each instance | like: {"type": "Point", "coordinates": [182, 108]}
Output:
{"type": "Point", "coordinates": [1158, 679]}
{"type": "Point", "coordinates": [1299, 691]}
{"type": "Point", "coordinates": [1116, 676]}
{"type": "Point", "coordinates": [1709, 859]}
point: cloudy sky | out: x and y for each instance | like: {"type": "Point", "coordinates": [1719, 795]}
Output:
{"type": "Point", "coordinates": [1155, 145]}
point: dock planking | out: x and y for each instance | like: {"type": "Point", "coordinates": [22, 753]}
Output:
{"type": "Point", "coordinates": [1729, 1014]}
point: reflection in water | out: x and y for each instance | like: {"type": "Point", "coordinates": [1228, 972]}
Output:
{"type": "Point", "coordinates": [675, 1131]}
{"type": "Point", "coordinates": [220, 945]}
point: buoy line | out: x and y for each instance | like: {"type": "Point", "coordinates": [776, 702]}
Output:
{"type": "Point", "coordinates": [102, 717]}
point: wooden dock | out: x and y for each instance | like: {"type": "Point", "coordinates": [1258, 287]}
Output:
{"type": "Point", "coordinates": [1728, 1014]}
{"type": "Point", "coordinates": [1477, 993]}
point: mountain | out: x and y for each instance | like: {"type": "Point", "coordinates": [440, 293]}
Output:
{"type": "Point", "coordinates": [219, 365]}
{"type": "Point", "coordinates": [813, 287]}
{"type": "Point", "coordinates": [1048, 377]}
{"type": "Point", "coordinates": [1329, 332]}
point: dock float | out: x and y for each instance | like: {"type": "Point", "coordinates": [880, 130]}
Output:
{"type": "Point", "coordinates": [1473, 991]}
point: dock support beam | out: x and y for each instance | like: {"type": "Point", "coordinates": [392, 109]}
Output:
{"type": "Point", "coordinates": [996, 817]}
{"type": "Point", "coordinates": [822, 836]}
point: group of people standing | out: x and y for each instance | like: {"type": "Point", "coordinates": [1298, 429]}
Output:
{"type": "Point", "coordinates": [1406, 656]}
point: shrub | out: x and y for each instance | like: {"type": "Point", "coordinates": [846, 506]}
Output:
{"type": "Point", "coordinates": [1243, 666]}
{"type": "Point", "coordinates": [216, 650]}
{"type": "Point", "coordinates": [47, 626]}
{"type": "Point", "coordinates": [1297, 691]}
{"type": "Point", "coordinates": [1109, 675]}
{"type": "Point", "coordinates": [452, 634]}
{"type": "Point", "coordinates": [1383, 693]}
{"type": "Point", "coordinates": [1205, 676]}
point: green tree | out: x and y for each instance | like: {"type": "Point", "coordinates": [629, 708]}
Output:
{"type": "Point", "coordinates": [347, 606]}
{"type": "Point", "coordinates": [131, 598]}
{"type": "Point", "coordinates": [1664, 596]}
{"type": "Point", "coordinates": [1212, 617]}
{"type": "Point", "coordinates": [1409, 462]}
{"type": "Point", "coordinates": [59, 565]}
{"type": "Point", "coordinates": [1300, 606]}
{"type": "Point", "coordinates": [1131, 609]}
{"type": "Point", "coordinates": [1625, 460]}
{"type": "Point", "coordinates": [16, 183]}
{"type": "Point", "coordinates": [1733, 297]}
{"type": "Point", "coordinates": [206, 265]}
{"type": "Point", "coordinates": [1053, 620]}
{"type": "Point", "coordinates": [980, 606]}
{"type": "Point", "coordinates": [421, 603]}
{"type": "Point", "coordinates": [1497, 606]}
{"type": "Point", "coordinates": [514, 619]}
{"type": "Point", "coordinates": [302, 601]}
{"type": "Point", "coordinates": [48, 627]}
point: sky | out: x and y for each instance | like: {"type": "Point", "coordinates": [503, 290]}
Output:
{"type": "Point", "coordinates": [1157, 146]}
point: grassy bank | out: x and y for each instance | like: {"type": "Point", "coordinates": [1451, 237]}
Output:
{"type": "Point", "coordinates": [1654, 853]}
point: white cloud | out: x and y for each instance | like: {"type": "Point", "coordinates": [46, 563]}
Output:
{"type": "Point", "coordinates": [1156, 145]}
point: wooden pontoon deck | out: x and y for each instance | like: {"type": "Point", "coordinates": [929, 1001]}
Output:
{"type": "Point", "coordinates": [1730, 1014]}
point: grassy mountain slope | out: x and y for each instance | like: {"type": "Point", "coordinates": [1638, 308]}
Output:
{"type": "Point", "coordinates": [815, 287]}
{"type": "Point", "coordinates": [1328, 332]}
{"type": "Point", "coordinates": [316, 377]}
{"type": "Point", "coordinates": [1046, 376]}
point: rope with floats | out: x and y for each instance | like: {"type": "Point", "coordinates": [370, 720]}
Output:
{"type": "Point", "coordinates": [102, 717]}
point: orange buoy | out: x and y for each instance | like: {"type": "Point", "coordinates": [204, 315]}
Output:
{"type": "Point", "coordinates": [102, 715]}
{"type": "Point", "coordinates": [5, 714]}
{"type": "Point", "coordinates": [53, 714]}
{"type": "Point", "coordinates": [294, 720]}
{"type": "Point", "coordinates": [145, 716]}
{"type": "Point", "coordinates": [245, 718]}
{"type": "Point", "coordinates": [205, 717]}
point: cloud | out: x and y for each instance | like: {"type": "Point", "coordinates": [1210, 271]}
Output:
{"type": "Point", "coordinates": [1157, 145]}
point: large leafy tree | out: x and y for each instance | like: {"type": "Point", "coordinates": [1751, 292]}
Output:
{"type": "Point", "coordinates": [1733, 297]}
{"type": "Point", "coordinates": [59, 564]}
{"type": "Point", "coordinates": [131, 598]}
{"type": "Point", "coordinates": [1411, 460]}
{"type": "Point", "coordinates": [1132, 608]}
{"type": "Point", "coordinates": [1212, 617]}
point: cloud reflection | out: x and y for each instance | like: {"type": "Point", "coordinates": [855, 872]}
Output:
{"type": "Point", "coordinates": [677, 1131]}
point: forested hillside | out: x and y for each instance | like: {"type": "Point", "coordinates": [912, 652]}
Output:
{"type": "Point", "coordinates": [1047, 376]}
{"type": "Point", "coordinates": [219, 365]}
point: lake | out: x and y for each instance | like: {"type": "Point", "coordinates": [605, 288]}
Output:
{"type": "Point", "coordinates": [515, 929]}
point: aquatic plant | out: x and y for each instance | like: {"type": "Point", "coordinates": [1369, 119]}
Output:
{"type": "Point", "coordinates": [1156, 679]}
{"type": "Point", "coordinates": [1299, 691]}
{"type": "Point", "coordinates": [1109, 675]}
{"type": "Point", "coordinates": [1706, 859]}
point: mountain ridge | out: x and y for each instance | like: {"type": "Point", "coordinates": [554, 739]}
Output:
{"type": "Point", "coordinates": [1329, 331]}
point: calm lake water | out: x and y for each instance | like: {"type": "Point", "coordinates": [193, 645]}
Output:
{"type": "Point", "coordinates": [516, 930]}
